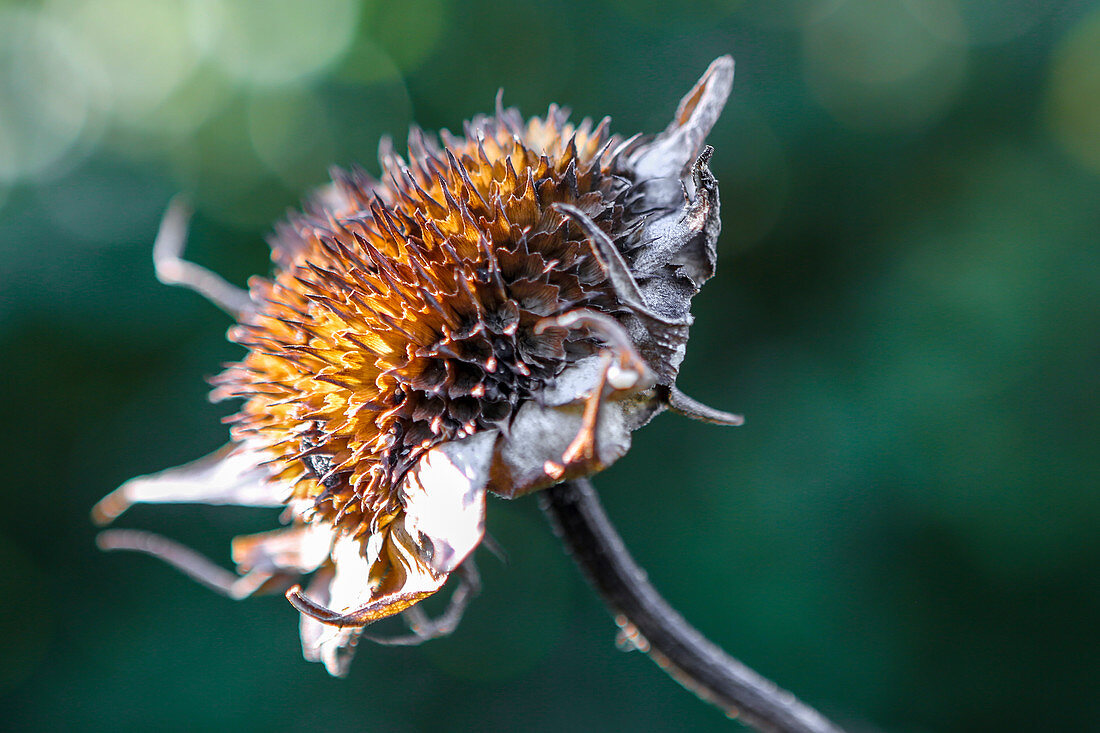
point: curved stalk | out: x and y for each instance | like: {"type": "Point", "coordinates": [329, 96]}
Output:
{"type": "Point", "coordinates": [651, 625]}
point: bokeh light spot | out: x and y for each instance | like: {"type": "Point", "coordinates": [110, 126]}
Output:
{"type": "Point", "coordinates": [998, 21]}
{"type": "Point", "coordinates": [875, 69]}
{"type": "Point", "coordinates": [273, 42]}
{"type": "Point", "coordinates": [190, 105]}
{"type": "Point", "coordinates": [291, 133]}
{"type": "Point", "coordinates": [144, 48]}
{"type": "Point", "coordinates": [222, 169]}
{"type": "Point", "coordinates": [407, 30]}
{"type": "Point", "coordinates": [941, 18]}
{"type": "Point", "coordinates": [652, 12]}
{"type": "Point", "coordinates": [367, 63]}
{"type": "Point", "coordinates": [49, 94]}
{"type": "Point", "coordinates": [786, 14]}
{"type": "Point", "coordinates": [1073, 93]}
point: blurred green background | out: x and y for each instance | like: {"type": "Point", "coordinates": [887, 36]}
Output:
{"type": "Point", "coordinates": [907, 311]}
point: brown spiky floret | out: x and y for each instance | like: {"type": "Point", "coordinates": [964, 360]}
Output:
{"type": "Point", "coordinates": [403, 313]}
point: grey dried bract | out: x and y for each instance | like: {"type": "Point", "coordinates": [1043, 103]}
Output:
{"type": "Point", "coordinates": [497, 313]}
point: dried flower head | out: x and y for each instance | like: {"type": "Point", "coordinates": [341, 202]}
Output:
{"type": "Point", "coordinates": [497, 313]}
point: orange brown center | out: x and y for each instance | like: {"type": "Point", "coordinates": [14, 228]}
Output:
{"type": "Point", "coordinates": [402, 313]}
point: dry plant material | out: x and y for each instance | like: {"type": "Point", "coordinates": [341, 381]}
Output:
{"type": "Point", "coordinates": [496, 313]}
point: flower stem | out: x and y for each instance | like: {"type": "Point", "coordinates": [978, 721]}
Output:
{"type": "Point", "coordinates": [651, 625]}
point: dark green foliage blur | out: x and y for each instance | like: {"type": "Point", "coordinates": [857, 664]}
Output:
{"type": "Point", "coordinates": [907, 311]}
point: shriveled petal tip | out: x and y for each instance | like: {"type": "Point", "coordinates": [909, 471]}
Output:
{"type": "Point", "coordinates": [331, 645]}
{"type": "Point", "coordinates": [669, 154]}
{"type": "Point", "coordinates": [444, 499]}
{"type": "Point", "coordinates": [299, 549]}
{"type": "Point", "coordinates": [703, 104]}
{"type": "Point", "coordinates": [233, 474]}
{"type": "Point", "coordinates": [681, 404]}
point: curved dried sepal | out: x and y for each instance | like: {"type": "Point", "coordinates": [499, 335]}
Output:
{"type": "Point", "coordinates": [630, 370]}
{"type": "Point", "coordinates": [519, 470]}
{"type": "Point", "coordinates": [584, 450]}
{"type": "Point", "coordinates": [579, 428]}
{"type": "Point", "coordinates": [681, 404]}
{"type": "Point", "coordinates": [379, 608]}
{"type": "Point", "coordinates": [172, 269]}
{"type": "Point", "coordinates": [608, 256]}
{"type": "Point", "coordinates": [189, 562]}
{"type": "Point", "coordinates": [423, 627]}
{"type": "Point", "coordinates": [668, 154]}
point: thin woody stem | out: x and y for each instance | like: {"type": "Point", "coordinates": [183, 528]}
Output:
{"type": "Point", "coordinates": [652, 625]}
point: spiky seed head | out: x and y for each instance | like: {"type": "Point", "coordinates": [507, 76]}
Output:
{"type": "Point", "coordinates": [403, 311]}
{"type": "Point", "coordinates": [498, 311]}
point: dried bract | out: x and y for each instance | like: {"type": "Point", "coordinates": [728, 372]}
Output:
{"type": "Point", "coordinates": [496, 313]}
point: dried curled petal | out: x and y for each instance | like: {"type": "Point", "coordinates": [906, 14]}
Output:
{"type": "Point", "coordinates": [497, 312]}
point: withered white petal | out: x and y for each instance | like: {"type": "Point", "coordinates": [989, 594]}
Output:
{"type": "Point", "coordinates": [299, 549]}
{"type": "Point", "coordinates": [233, 474]}
{"type": "Point", "coordinates": [444, 499]}
{"type": "Point", "coordinates": [333, 646]}
{"type": "Point", "coordinates": [367, 588]}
